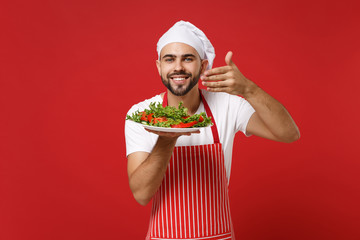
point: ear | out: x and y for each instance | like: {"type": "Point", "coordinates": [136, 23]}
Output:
{"type": "Point", "coordinates": [158, 66]}
{"type": "Point", "coordinates": [204, 65]}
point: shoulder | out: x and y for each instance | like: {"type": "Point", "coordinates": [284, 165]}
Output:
{"type": "Point", "coordinates": [144, 104]}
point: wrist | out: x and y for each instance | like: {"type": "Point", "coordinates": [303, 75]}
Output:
{"type": "Point", "coordinates": [251, 89]}
{"type": "Point", "coordinates": [168, 140]}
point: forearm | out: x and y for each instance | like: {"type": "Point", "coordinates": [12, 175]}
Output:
{"type": "Point", "coordinates": [272, 113]}
{"type": "Point", "coordinates": [146, 179]}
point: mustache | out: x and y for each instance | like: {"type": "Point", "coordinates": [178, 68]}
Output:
{"type": "Point", "coordinates": [179, 73]}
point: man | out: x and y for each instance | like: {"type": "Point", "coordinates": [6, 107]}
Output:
{"type": "Point", "coordinates": [187, 174]}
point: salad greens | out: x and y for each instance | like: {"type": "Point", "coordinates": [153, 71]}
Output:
{"type": "Point", "coordinates": [169, 116]}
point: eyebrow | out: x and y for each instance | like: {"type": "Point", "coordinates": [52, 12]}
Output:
{"type": "Point", "coordinates": [189, 55]}
{"type": "Point", "coordinates": [183, 56]}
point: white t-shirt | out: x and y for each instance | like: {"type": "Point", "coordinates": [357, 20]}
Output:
{"type": "Point", "coordinates": [231, 114]}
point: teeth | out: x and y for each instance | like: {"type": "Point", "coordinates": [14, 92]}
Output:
{"type": "Point", "coordinates": [179, 79]}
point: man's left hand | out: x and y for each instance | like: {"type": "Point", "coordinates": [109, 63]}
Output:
{"type": "Point", "coordinates": [227, 79]}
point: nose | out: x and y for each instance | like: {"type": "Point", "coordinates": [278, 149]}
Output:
{"type": "Point", "coordinates": [179, 65]}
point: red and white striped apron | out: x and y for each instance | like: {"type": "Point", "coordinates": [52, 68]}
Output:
{"type": "Point", "coordinates": [192, 201]}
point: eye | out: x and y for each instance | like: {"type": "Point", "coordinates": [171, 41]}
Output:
{"type": "Point", "coordinates": [168, 59]}
{"type": "Point", "coordinates": [188, 59]}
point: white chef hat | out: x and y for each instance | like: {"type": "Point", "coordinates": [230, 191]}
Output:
{"type": "Point", "coordinates": [185, 32]}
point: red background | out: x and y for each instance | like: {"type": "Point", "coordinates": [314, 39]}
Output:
{"type": "Point", "coordinates": [70, 70]}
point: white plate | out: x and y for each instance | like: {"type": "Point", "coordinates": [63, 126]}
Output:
{"type": "Point", "coordinates": [164, 129]}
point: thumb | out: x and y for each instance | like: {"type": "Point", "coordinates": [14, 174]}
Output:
{"type": "Point", "coordinates": [228, 60]}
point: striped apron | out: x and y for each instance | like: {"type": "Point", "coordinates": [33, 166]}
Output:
{"type": "Point", "coordinates": [192, 201]}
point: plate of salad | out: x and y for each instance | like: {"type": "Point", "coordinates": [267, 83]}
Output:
{"type": "Point", "coordinates": [169, 119]}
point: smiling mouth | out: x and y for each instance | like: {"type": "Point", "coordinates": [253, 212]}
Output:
{"type": "Point", "coordinates": [179, 79]}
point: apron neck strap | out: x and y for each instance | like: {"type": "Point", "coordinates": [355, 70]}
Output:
{"type": "Point", "coordinates": [208, 113]}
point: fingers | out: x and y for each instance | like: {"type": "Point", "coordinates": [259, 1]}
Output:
{"type": "Point", "coordinates": [209, 75]}
{"type": "Point", "coordinates": [218, 70]}
{"type": "Point", "coordinates": [219, 89]}
{"type": "Point", "coordinates": [224, 79]}
{"type": "Point", "coordinates": [214, 77]}
{"type": "Point", "coordinates": [228, 60]}
{"type": "Point", "coordinates": [212, 84]}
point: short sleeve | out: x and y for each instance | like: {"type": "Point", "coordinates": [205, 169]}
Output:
{"type": "Point", "coordinates": [137, 138]}
{"type": "Point", "coordinates": [243, 113]}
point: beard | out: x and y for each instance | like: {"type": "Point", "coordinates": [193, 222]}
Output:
{"type": "Point", "coordinates": [181, 90]}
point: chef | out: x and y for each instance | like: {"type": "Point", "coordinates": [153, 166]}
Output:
{"type": "Point", "coordinates": [186, 174]}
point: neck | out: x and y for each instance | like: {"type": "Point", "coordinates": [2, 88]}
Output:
{"type": "Point", "coordinates": [191, 100]}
